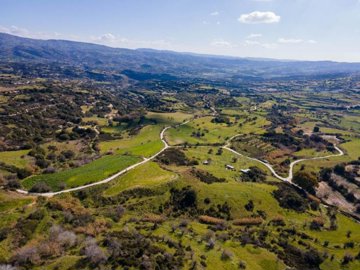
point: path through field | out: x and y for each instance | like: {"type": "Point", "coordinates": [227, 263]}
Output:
{"type": "Point", "coordinates": [166, 146]}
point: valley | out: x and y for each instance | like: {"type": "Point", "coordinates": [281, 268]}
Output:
{"type": "Point", "coordinates": [122, 166]}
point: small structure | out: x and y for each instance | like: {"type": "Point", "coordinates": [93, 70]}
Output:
{"type": "Point", "coordinates": [206, 162]}
{"type": "Point", "coordinates": [245, 170]}
{"type": "Point", "coordinates": [229, 167]}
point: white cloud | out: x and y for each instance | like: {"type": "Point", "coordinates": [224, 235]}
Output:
{"type": "Point", "coordinates": [215, 13]}
{"type": "Point", "coordinates": [290, 40]}
{"type": "Point", "coordinates": [311, 41]}
{"type": "Point", "coordinates": [115, 41]}
{"type": "Point", "coordinates": [221, 43]}
{"type": "Point", "coordinates": [295, 41]}
{"type": "Point", "coordinates": [251, 36]}
{"type": "Point", "coordinates": [23, 32]}
{"type": "Point", "coordinates": [14, 30]}
{"type": "Point", "coordinates": [109, 39]}
{"type": "Point", "coordinates": [257, 17]}
{"type": "Point", "coordinates": [261, 44]}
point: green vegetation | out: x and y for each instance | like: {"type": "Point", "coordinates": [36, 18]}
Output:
{"type": "Point", "coordinates": [15, 158]}
{"type": "Point", "coordinates": [196, 205]}
{"type": "Point", "coordinates": [146, 143]}
{"type": "Point", "coordinates": [148, 175]}
{"type": "Point", "coordinates": [89, 173]}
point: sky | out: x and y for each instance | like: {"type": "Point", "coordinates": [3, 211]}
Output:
{"type": "Point", "coordinates": [283, 29]}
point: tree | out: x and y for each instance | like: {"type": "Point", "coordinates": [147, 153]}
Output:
{"type": "Point", "coordinates": [184, 198]}
{"type": "Point", "coordinates": [306, 180]}
{"type": "Point", "coordinates": [27, 255]}
{"type": "Point", "coordinates": [249, 206]}
{"type": "Point", "coordinates": [316, 129]}
{"type": "Point", "coordinates": [93, 252]}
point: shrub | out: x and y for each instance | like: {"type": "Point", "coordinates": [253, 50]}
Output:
{"type": "Point", "coordinates": [278, 221]}
{"type": "Point", "coordinates": [254, 175]}
{"type": "Point", "coordinates": [226, 255]}
{"type": "Point", "coordinates": [347, 259]}
{"type": "Point", "coordinates": [27, 256]}
{"type": "Point", "coordinates": [306, 180]}
{"type": "Point", "coordinates": [184, 198]}
{"type": "Point", "coordinates": [13, 184]}
{"type": "Point", "coordinates": [211, 220]}
{"type": "Point", "coordinates": [242, 265]}
{"type": "Point", "coordinates": [206, 177]}
{"type": "Point", "coordinates": [248, 221]}
{"type": "Point", "coordinates": [40, 187]}
{"type": "Point", "coordinates": [93, 252]}
{"type": "Point", "coordinates": [317, 224]}
{"type": "Point", "coordinates": [289, 197]}
{"type": "Point", "coordinates": [152, 218]}
{"type": "Point", "coordinates": [249, 206]}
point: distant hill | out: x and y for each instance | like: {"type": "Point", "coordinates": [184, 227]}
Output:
{"type": "Point", "coordinates": [165, 64]}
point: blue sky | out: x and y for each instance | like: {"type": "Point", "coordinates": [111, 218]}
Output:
{"type": "Point", "coordinates": [286, 29]}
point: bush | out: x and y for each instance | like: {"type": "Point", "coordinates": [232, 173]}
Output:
{"type": "Point", "coordinates": [226, 255]}
{"type": "Point", "coordinates": [13, 184]}
{"type": "Point", "coordinates": [347, 259]}
{"type": "Point", "coordinates": [206, 177]}
{"type": "Point", "coordinates": [254, 175]}
{"type": "Point", "coordinates": [184, 198]}
{"type": "Point", "coordinates": [306, 180]}
{"type": "Point", "coordinates": [248, 221]}
{"type": "Point", "coordinates": [174, 156]}
{"type": "Point", "coordinates": [316, 224]}
{"type": "Point", "coordinates": [211, 220]}
{"type": "Point", "coordinates": [249, 206]}
{"type": "Point", "coordinates": [40, 187]}
{"type": "Point", "coordinates": [26, 256]}
{"type": "Point", "coordinates": [93, 252]}
{"type": "Point", "coordinates": [291, 198]}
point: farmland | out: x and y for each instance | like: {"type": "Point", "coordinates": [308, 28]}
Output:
{"type": "Point", "coordinates": [204, 162]}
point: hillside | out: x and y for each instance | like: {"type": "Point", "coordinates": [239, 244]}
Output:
{"type": "Point", "coordinates": [147, 62]}
{"type": "Point", "coordinates": [143, 159]}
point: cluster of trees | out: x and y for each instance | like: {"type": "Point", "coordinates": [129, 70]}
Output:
{"type": "Point", "coordinates": [206, 177]}
{"type": "Point", "coordinates": [175, 156]}
{"type": "Point", "coordinates": [221, 119]}
{"type": "Point", "coordinates": [327, 174]}
{"type": "Point", "coordinates": [291, 198]}
{"type": "Point", "coordinates": [254, 174]}
{"type": "Point", "coordinates": [306, 180]}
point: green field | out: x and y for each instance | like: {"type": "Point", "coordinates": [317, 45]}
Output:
{"type": "Point", "coordinates": [144, 176]}
{"type": "Point", "coordinates": [89, 173]}
{"type": "Point", "coordinates": [218, 163]}
{"type": "Point", "coordinates": [146, 143]}
{"type": "Point", "coordinates": [213, 133]}
{"type": "Point", "coordinates": [15, 158]}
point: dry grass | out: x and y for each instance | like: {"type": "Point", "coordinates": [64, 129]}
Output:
{"type": "Point", "coordinates": [248, 221]}
{"type": "Point", "coordinates": [152, 218]}
{"type": "Point", "coordinates": [211, 220]}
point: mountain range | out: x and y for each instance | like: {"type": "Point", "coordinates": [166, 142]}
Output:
{"type": "Point", "coordinates": [144, 63]}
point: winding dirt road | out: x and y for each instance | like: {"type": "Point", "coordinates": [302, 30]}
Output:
{"type": "Point", "coordinates": [270, 167]}
{"type": "Point", "coordinates": [107, 180]}
{"type": "Point", "coordinates": [166, 146]}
